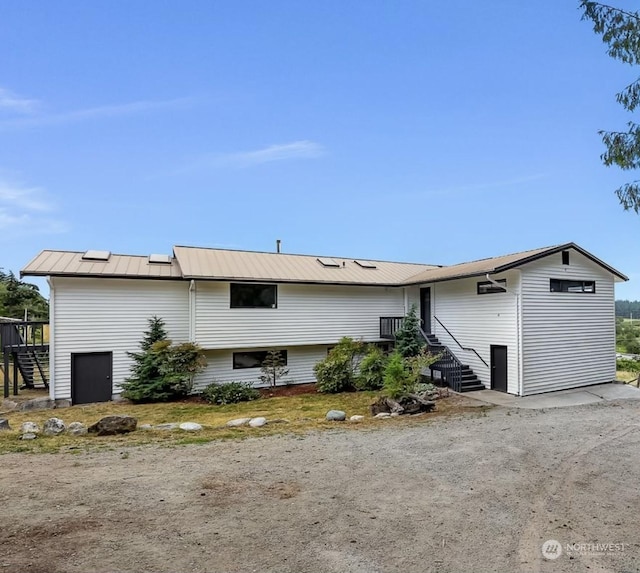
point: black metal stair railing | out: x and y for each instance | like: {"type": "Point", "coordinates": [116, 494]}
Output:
{"type": "Point", "coordinates": [448, 365]}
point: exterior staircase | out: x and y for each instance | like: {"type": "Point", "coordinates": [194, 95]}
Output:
{"type": "Point", "coordinates": [33, 366]}
{"type": "Point", "coordinates": [468, 381]}
{"type": "Point", "coordinates": [25, 354]}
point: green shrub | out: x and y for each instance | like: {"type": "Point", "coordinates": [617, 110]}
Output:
{"type": "Point", "coordinates": [628, 365]}
{"type": "Point", "coordinates": [398, 381]}
{"type": "Point", "coordinates": [162, 371]}
{"type": "Point", "coordinates": [416, 365]}
{"type": "Point", "coordinates": [337, 372]}
{"type": "Point", "coordinates": [371, 375]}
{"type": "Point", "coordinates": [230, 393]}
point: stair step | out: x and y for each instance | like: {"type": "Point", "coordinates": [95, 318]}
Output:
{"type": "Point", "coordinates": [472, 388]}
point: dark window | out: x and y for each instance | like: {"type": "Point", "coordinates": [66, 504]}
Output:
{"type": "Point", "coordinates": [565, 257]}
{"type": "Point", "coordinates": [559, 285]}
{"type": "Point", "coordinates": [253, 296]}
{"type": "Point", "coordinates": [253, 359]}
{"type": "Point", "coordinates": [487, 287]}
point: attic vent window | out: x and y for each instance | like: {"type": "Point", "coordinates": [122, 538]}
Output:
{"type": "Point", "coordinates": [328, 262]}
{"type": "Point", "coordinates": [365, 264]}
{"type": "Point", "coordinates": [160, 259]}
{"type": "Point", "coordinates": [565, 257]}
{"type": "Point", "coordinates": [96, 256]}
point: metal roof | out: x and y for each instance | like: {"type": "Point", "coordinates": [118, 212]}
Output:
{"type": "Point", "coordinates": [502, 263]}
{"type": "Point", "coordinates": [231, 265]}
{"type": "Point", "coordinates": [70, 263]}
{"type": "Point", "coordinates": [221, 264]}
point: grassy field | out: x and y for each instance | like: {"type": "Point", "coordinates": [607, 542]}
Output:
{"type": "Point", "coordinates": [303, 413]}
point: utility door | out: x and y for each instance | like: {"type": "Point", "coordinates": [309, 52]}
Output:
{"type": "Point", "coordinates": [425, 309]}
{"type": "Point", "coordinates": [499, 368]}
{"type": "Point", "coordinates": [91, 377]}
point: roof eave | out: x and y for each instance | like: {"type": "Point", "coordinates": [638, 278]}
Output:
{"type": "Point", "coordinates": [558, 249]}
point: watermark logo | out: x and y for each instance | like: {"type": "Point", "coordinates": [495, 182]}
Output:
{"type": "Point", "coordinates": [551, 549]}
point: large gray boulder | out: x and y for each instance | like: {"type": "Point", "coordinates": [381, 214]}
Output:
{"type": "Point", "coordinates": [53, 427]}
{"type": "Point", "coordinates": [190, 426]}
{"type": "Point", "coordinates": [257, 422]}
{"type": "Point", "coordinates": [77, 429]}
{"type": "Point", "coordinates": [336, 416]}
{"type": "Point", "coordinates": [29, 428]}
{"type": "Point", "coordinates": [112, 425]}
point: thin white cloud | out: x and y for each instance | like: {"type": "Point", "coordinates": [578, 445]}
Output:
{"type": "Point", "coordinates": [99, 112]}
{"type": "Point", "coordinates": [29, 198]}
{"type": "Point", "coordinates": [303, 149]}
{"type": "Point", "coordinates": [11, 102]}
{"type": "Point", "coordinates": [25, 209]}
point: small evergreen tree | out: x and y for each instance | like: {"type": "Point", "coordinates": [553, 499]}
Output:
{"type": "Point", "coordinates": [409, 339]}
{"type": "Point", "coordinates": [273, 368]}
{"type": "Point", "coordinates": [398, 381]}
{"type": "Point", "coordinates": [161, 371]}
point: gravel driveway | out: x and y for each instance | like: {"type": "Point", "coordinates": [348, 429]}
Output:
{"type": "Point", "coordinates": [475, 493]}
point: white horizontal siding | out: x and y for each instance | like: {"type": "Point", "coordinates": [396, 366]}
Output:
{"type": "Point", "coordinates": [306, 314]}
{"type": "Point", "coordinates": [478, 321]}
{"type": "Point", "coordinates": [300, 362]}
{"type": "Point", "coordinates": [568, 338]}
{"type": "Point", "coordinates": [111, 315]}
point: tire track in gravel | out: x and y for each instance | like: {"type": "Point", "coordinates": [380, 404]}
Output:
{"type": "Point", "coordinates": [560, 491]}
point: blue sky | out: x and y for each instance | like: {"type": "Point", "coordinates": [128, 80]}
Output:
{"type": "Point", "coordinates": [434, 132]}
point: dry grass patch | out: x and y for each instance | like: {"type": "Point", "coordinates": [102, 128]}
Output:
{"type": "Point", "coordinates": [303, 413]}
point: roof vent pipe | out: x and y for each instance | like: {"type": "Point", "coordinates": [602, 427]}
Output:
{"type": "Point", "coordinates": [278, 242]}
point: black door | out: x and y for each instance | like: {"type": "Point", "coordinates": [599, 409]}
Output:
{"type": "Point", "coordinates": [499, 368]}
{"type": "Point", "coordinates": [425, 309]}
{"type": "Point", "coordinates": [91, 377]}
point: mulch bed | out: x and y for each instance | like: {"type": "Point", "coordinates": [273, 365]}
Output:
{"type": "Point", "coordinates": [291, 390]}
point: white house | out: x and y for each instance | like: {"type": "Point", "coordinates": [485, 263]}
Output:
{"type": "Point", "coordinates": [525, 323]}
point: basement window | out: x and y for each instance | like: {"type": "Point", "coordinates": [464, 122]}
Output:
{"type": "Point", "coordinates": [254, 296]}
{"type": "Point", "coordinates": [254, 359]}
{"type": "Point", "coordinates": [487, 287]}
{"type": "Point", "coordinates": [565, 257]}
{"type": "Point", "coordinates": [561, 285]}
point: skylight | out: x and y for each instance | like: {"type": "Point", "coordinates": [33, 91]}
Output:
{"type": "Point", "coordinates": [366, 264]}
{"type": "Point", "coordinates": [160, 259]}
{"type": "Point", "coordinates": [96, 256]}
{"type": "Point", "coordinates": [325, 262]}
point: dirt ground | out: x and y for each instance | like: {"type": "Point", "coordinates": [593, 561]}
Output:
{"type": "Point", "coordinates": [476, 493]}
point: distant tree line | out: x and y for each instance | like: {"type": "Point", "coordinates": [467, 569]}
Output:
{"type": "Point", "coordinates": [627, 308]}
{"type": "Point", "coordinates": [17, 295]}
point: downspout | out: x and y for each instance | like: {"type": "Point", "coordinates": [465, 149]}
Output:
{"type": "Point", "coordinates": [192, 311]}
{"type": "Point", "coordinates": [52, 340]}
{"type": "Point", "coordinates": [518, 302]}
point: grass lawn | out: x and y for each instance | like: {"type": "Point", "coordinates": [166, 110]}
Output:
{"type": "Point", "coordinates": [626, 376]}
{"type": "Point", "coordinates": [304, 413]}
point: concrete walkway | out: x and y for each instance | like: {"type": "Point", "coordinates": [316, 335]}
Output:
{"type": "Point", "coordinates": [560, 399]}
